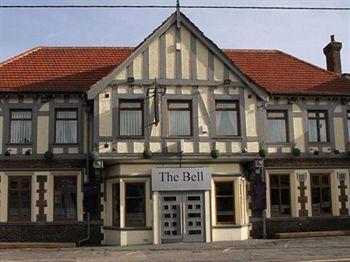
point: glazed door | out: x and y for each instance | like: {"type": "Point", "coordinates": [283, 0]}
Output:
{"type": "Point", "coordinates": [182, 217]}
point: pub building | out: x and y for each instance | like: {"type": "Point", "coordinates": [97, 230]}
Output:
{"type": "Point", "coordinates": [175, 140]}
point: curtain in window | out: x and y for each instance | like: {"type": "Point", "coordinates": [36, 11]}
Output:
{"type": "Point", "coordinates": [21, 127]}
{"type": "Point", "coordinates": [313, 131]}
{"type": "Point", "coordinates": [226, 123]}
{"type": "Point", "coordinates": [66, 127]}
{"type": "Point", "coordinates": [131, 123]}
{"type": "Point", "coordinates": [277, 130]}
{"type": "Point", "coordinates": [180, 124]}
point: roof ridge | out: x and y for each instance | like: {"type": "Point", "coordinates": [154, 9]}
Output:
{"type": "Point", "coordinates": [90, 47]}
{"type": "Point", "coordinates": [25, 53]}
{"type": "Point", "coordinates": [309, 64]}
{"type": "Point", "coordinates": [248, 50]}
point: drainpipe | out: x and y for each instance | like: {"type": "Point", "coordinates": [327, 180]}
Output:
{"type": "Point", "coordinates": [88, 233]}
{"type": "Point", "coordinates": [263, 178]}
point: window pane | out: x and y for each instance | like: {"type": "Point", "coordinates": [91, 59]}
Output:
{"type": "Point", "coordinates": [180, 123]}
{"type": "Point", "coordinates": [280, 195]}
{"type": "Point", "coordinates": [326, 200]}
{"type": "Point", "coordinates": [135, 190]}
{"type": "Point", "coordinates": [275, 114]}
{"type": "Point", "coordinates": [179, 105]}
{"type": "Point", "coordinates": [225, 212]}
{"type": "Point", "coordinates": [131, 123]}
{"type": "Point", "coordinates": [66, 127]}
{"type": "Point", "coordinates": [226, 105]}
{"type": "Point", "coordinates": [135, 204]}
{"type": "Point", "coordinates": [116, 205]}
{"type": "Point", "coordinates": [21, 127]}
{"type": "Point", "coordinates": [311, 114]}
{"type": "Point", "coordinates": [227, 123]}
{"type": "Point", "coordinates": [277, 130]}
{"type": "Point", "coordinates": [65, 199]}
{"type": "Point", "coordinates": [315, 195]}
{"type": "Point", "coordinates": [66, 114]}
{"type": "Point", "coordinates": [19, 198]}
{"type": "Point", "coordinates": [312, 130]}
{"type": "Point", "coordinates": [349, 128]}
{"type": "Point", "coordinates": [130, 105]}
{"type": "Point", "coordinates": [224, 189]}
{"type": "Point", "coordinates": [323, 131]}
{"type": "Point", "coordinates": [135, 212]}
{"type": "Point", "coordinates": [274, 180]}
{"type": "Point", "coordinates": [21, 114]}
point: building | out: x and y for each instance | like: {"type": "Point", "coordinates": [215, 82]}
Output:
{"type": "Point", "coordinates": [185, 141]}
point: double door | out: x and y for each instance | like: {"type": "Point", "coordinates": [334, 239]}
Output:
{"type": "Point", "coordinates": [182, 217]}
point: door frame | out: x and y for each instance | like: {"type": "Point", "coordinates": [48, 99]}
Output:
{"type": "Point", "coordinates": [181, 194]}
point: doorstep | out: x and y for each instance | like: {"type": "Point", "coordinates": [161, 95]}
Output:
{"type": "Point", "coordinates": [20, 245]}
{"type": "Point", "coordinates": [312, 234]}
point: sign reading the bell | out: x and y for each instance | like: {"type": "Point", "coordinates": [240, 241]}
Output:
{"type": "Point", "coordinates": [181, 179]}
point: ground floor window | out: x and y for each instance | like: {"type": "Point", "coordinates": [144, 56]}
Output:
{"type": "Point", "coordinates": [65, 200]}
{"type": "Point", "coordinates": [321, 194]}
{"type": "Point", "coordinates": [225, 202]}
{"type": "Point", "coordinates": [19, 198]}
{"type": "Point", "coordinates": [116, 204]}
{"type": "Point", "coordinates": [280, 195]}
{"type": "Point", "coordinates": [135, 204]}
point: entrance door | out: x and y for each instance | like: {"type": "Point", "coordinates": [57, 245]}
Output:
{"type": "Point", "coordinates": [182, 217]}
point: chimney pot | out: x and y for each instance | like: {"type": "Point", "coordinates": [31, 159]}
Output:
{"type": "Point", "coordinates": [332, 53]}
{"type": "Point", "coordinates": [332, 38]}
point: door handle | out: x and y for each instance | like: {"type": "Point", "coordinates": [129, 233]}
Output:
{"type": "Point", "coordinates": [180, 216]}
{"type": "Point", "coordinates": [183, 214]}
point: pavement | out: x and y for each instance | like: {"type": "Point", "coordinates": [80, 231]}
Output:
{"type": "Point", "coordinates": [305, 249]}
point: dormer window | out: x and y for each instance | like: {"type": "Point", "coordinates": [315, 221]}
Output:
{"type": "Point", "coordinates": [21, 126]}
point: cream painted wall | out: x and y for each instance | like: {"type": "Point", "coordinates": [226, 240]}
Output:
{"type": "Point", "coordinates": [185, 52]}
{"type": "Point", "coordinates": [170, 52]}
{"type": "Point", "coordinates": [250, 113]}
{"type": "Point", "coordinates": [105, 113]}
{"type": "Point", "coordinates": [43, 134]}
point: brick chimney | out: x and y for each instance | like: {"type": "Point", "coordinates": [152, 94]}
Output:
{"type": "Point", "coordinates": [332, 52]}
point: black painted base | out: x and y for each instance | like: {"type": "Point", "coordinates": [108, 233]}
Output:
{"type": "Point", "coordinates": [50, 232]}
{"type": "Point", "coordinates": [304, 224]}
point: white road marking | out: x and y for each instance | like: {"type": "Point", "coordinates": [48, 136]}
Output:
{"type": "Point", "coordinates": [327, 260]}
{"type": "Point", "coordinates": [227, 249]}
{"type": "Point", "coordinates": [128, 254]}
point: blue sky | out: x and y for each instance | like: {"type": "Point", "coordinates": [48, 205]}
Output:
{"type": "Point", "coordinates": [300, 33]}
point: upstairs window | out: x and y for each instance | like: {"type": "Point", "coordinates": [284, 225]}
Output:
{"type": "Point", "coordinates": [130, 118]}
{"type": "Point", "coordinates": [21, 126]}
{"type": "Point", "coordinates": [19, 198]}
{"type": "Point", "coordinates": [66, 126]}
{"type": "Point", "coordinates": [318, 126]}
{"type": "Point", "coordinates": [277, 126]}
{"type": "Point", "coordinates": [227, 118]}
{"type": "Point", "coordinates": [280, 195]}
{"type": "Point", "coordinates": [180, 113]}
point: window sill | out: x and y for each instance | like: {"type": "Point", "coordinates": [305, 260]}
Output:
{"type": "Point", "coordinates": [73, 144]}
{"type": "Point", "coordinates": [228, 137]}
{"type": "Point", "coordinates": [278, 144]}
{"type": "Point", "coordinates": [227, 226]}
{"type": "Point", "coordinates": [116, 228]}
{"type": "Point", "coordinates": [18, 144]}
{"type": "Point", "coordinates": [319, 143]}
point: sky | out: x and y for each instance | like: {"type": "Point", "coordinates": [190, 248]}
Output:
{"type": "Point", "coordinates": [299, 33]}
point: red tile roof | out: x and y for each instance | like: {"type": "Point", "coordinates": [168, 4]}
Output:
{"type": "Point", "coordinates": [60, 69]}
{"type": "Point", "coordinates": [281, 73]}
{"type": "Point", "coordinates": [76, 69]}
